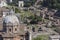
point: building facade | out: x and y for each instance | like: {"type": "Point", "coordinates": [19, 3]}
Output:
{"type": "Point", "coordinates": [54, 37]}
{"type": "Point", "coordinates": [3, 3]}
{"type": "Point", "coordinates": [12, 29]}
{"type": "Point", "coordinates": [20, 3]}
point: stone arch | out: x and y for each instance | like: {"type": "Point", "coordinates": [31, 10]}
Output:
{"type": "Point", "coordinates": [27, 35]}
{"type": "Point", "coordinates": [33, 29]}
{"type": "Point", "coordinates": [1, 38]}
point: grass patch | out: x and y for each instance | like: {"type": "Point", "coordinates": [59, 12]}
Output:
{"type": "Point", "coordinates": [17, 10]}
{"type": "Point", "coordinates": [41, 37]}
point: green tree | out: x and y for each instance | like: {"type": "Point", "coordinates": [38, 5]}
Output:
{"type": "Point", "coordinates": [29, 3]}
{"type": "Point", "coordinates": [52, 4]}
{"type": "Point", "coordinates": [17, 10]}
{"type": "Point", "coordinates": [34, 19]}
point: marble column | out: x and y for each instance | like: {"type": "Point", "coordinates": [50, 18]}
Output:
{"type": "Point", "coordinates": [30, 36]}
{"type": "Point", "coordinates": [24, 37]}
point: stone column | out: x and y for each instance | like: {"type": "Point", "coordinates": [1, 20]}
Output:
{"type": "Point", "coordinates": [58, 21]}
{"type": "Point", "coordinates": [4, 39]}
{"type": "Point", "coordinates": [43, 16]}
{"type": "Point", "coordinates": [30, 36]}
{"type": "Point", "coordinates": [49, 17]}
{"type": "Point", "coordinates": [24, 37]}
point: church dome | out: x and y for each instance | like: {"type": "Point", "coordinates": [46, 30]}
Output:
{"type": "Point", "coordinates": [11, 19]}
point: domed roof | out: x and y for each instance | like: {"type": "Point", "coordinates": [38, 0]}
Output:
{"type": "Point", "coordinates": [11, 19]}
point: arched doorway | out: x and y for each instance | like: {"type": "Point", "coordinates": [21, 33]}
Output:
{"type": "Point", "coordinates": [1, 38]}
{"type": "Point", "coordinates": [27, 36]}
{"type": "Point", "coordinates": [33, 29]}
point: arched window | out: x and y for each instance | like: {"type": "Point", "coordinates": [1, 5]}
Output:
{"type": "Point", "coordinates": [10, 30]}
{"type": "Point", "coordinates": [15, 29]}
